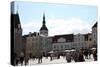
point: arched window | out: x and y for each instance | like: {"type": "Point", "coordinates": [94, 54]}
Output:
{"type": "Point", "coordinates": [61, 40]}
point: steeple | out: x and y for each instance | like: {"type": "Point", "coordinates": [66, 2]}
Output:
{"type": "Point", "coordinates": [43, 18]}
{"type": "Point", "coordinates": [43, 23]}
{"type": "Point", "coordinates": [16, 20]}
{"type": "Point", "coordinates": [43, 29]}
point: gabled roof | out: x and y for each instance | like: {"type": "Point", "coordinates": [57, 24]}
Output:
{"type": "Point", "coordinates": [15, 20]}
{"type": "Point", "coordinates": [95, 25]}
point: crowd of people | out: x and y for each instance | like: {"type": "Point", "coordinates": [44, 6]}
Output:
{"type": "Point", "coordinates": [77, 56]}
{"type": "Point", "coordinates": [81, 55]}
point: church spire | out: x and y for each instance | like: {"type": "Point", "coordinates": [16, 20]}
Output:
{"type": "Point", "coordinates": [43, 23]}
{"type": "Point", "coordinates": [43, 18]}
{"type": "Point", "coordinates": [44, 29]}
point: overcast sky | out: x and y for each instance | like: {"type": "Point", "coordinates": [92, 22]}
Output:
{"type": "Point", "coordinates": [60, 18]}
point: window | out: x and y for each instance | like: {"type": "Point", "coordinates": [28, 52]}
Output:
{"type": "Point", "coordinates": [65, 46]}
{"type": "Point", "coordinates": [45, 32]}
{"type": "Point", "coordinates": [61, 40]}
{"type": "Point", "coordinates": [19, 26]}
{"type": "Point", "coordinates": [90, 39]}
{"type": "Point", "coordinates": [54, 46]}
{"type": "Point", "coordinates": [61, 46]}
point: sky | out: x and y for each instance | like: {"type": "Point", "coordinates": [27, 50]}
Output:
{"type": "Point", "coordinates": [60, 18]}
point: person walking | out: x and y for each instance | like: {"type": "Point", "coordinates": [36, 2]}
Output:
{"type": "Point", "coordinates": [21, 58]}
{"type": "Point", "coordinates": [95, 55]}
{"type": "Point", "coordinates": [81, 57]}
{"type": "Point", "coordinates": [75, 56]}
{"type": "Point", "coordinates": [26, 60]}
{"type": "Point", "coordinates": [89, 53]}
{"type": "Point", "coordinates": [68, 57]}
{"type": "Point", "coordinates": [86, 53]}
{"type": "Point", "coordinates": [41, 59]}
{"type": "Point", "coordinates": [51, 55]}
{"type": "Point", "coordinates": [17, 60]}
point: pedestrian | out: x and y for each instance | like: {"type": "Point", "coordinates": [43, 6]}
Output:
{"type": "Point", "coordinates": [81, 57]}
{"type": "Point", "coordinates": [86, 53]}
{"type": "Point", "coordinates": [68, 57]}
{"type": "Point", "coordinates": [75, 56]}
{"type": "Point", "coordinates": [17, 60]}
{"type": "Point", "coordinates": [51, 55]}
{"type": "Point", "coordinates": [38, 59]}
{"type": "Point", "coordinates": [41, 59]}
{"type": "Point", "coordinates": [26, 60]}
{"type": "Point", "coordinates": [95, 55]}
{"type": "Point", "coordinates": [89, 53]}
{"type": "Point", "coordinates": [21, 58]}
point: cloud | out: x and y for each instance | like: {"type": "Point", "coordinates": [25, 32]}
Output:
{"type": "Point", "coordinates": [32, 26]}
{"type": "Point", "coordinates": [73, 25]}
{"type": "Point", "coordinates": [59, 26]}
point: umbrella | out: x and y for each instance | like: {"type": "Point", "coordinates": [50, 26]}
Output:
{"type": "Point", "coordinates": [67, 51]}
{"type": "Point", "coordinates": [73, 50]}
{"type": "Point", "coordinates": [51, 52]}
{"type": "Point", "coordinates": [93, 48]}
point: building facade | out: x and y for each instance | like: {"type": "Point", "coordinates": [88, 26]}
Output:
{"type": "Point", "coordinates": [94, 35]}
{"type": "Point", "coordinates": [78, 41]}
{"type": "Point", "coordinates": [17, 34]}
{"type": "Point", "coordinates": [46, 45]}
{"type": "Point", "coordinates": [33, 45]}
{"type": "Point", "coordinates": [62, 42]}
{"type": "Point", "coordinates": [87, 41]}
{"type": "Point", "coordinates": [40, 43]}
{"type": "Point", "coordinates": [37, 45]}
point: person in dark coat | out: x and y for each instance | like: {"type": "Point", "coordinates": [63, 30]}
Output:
{"type": "Point", "coordinates": [68, 57]}
{"type": "Point", "coordinates": [26, 60]}
{"type": "Point", "coordinates": [51, 57]}
{"type": "Point", "coordinates": [89, 53]}
{"type": "Point", "coordinates": [41, 59]}
{"type": "Point", "coordinates": [81, 57]}
{"type": "Point", "coordinates": [95, 55]}
{"type": "Point", "coordinates": [22, 58]}
{"type": "Point", "coordinates": [75, 56]}
{"type": "Point", "coordinates": [17, 60]}
{"type": "Point", "coordinates": [86, 54]}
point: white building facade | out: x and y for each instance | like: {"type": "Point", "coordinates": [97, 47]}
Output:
{"type": "Point", "coordinates": [94, 35]}
{"type": "Point", "coordinates": [63, 42]}
{"type": "Point", "coordinates": [79, 41]}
